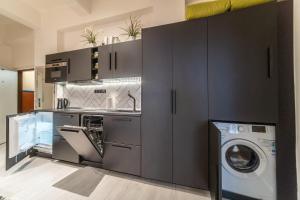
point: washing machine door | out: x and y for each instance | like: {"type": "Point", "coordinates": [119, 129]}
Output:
{"type": "Point", "coordinates": [243, 158]}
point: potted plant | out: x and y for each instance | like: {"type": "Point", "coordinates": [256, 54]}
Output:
{"type": "Point", "coordinates": [134, 28]}
{"type": "Point", "coordinates": [90, 36]}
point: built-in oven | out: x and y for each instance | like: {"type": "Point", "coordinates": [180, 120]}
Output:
{"type": "Point", "coordinates": [57, 71]}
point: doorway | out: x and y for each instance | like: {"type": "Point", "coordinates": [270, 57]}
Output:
{"type": "Point", "coordinates": [26, 90]}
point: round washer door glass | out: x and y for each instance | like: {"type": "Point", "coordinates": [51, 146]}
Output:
{"type": "Point", "coordinates": [242, 158]}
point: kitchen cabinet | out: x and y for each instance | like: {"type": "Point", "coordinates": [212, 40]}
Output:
{"type": "Point", "coordinates": [190, 113]}
{"type": "Point", "coordinates": [80, 66]}
{"type": "Point", "coordinates": [156, 122]}
{"type": "Point", "coordinates": [242, 65]}
{"type": "Point", "coordinates": [122, 158]}
{"type": "Point", "coordinates": [105, 62]}
{"type": "Point", "coordinates": [62, 150]}
{"type": "Point", "coordinates": [122, 129]}
{"type": "Point", "coordinates": [175, 130]}
{"type": "Point", "coordinates": [122, 150]}
{"type": "Point", "coordinates": [80, 63]}
{"type": "Point", "coordinates": [28, 133]}
{"type": "Point", "coordinates": [120, 60]}
{"type": "Point", "coordinates": [57, 57]}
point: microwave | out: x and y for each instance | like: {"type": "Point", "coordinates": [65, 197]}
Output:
{"type": "Point", "coordinates": [57, 71]}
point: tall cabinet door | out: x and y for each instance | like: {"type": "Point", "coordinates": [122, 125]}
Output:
{"type": "Point", "coordinates": [190, 116]}
{"type": "Point", "coordinates": [80, 66]}
{"type": "Point", "coordinates": [242, 66]}
{"type": "Point", "coordinates": [105, 62]}
{"type": "Point", "coordinates": [156, 104]}
{"type": "Point", "coordinates": [127, 59]}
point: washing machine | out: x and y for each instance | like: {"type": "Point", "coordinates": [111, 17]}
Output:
{"type": "Point", "coordinates": [248, 159]}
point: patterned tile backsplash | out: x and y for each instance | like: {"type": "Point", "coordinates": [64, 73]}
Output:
{"type": "Point", "coordinates": [115, 96]}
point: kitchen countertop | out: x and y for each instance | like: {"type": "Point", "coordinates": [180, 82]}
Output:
{"type": "Point", "coordinates": [94, 111]}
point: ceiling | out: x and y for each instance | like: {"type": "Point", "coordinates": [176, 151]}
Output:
{"type": "Point", "coordinates": [45, 5]}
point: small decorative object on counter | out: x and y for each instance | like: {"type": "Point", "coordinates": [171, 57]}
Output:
{"type": "Point", "coordinates": [90, 36]}
{"type": "Point", "coordinates": [96, 54]}
{"type": "Point", "coordinates": [134, 29]}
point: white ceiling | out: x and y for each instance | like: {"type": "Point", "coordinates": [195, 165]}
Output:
{"type": "Point", "coordinates": [45, 5]}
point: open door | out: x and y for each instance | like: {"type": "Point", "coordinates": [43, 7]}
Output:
{"type": "Point", "coordinates": [20, 137]}
{"type": "Point", "coordinates": [215, 164]}
{"type": "Point", "coordinates": [81, 141]}
{"type": "Point", "coordinates": [27, 133]}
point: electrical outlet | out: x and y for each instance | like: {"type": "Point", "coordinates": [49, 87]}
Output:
{"type": "Point", "coordinates": [102, 91]}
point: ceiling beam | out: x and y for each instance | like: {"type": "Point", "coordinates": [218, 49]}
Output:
{"type": "Point", "coordinates": [81, 7]}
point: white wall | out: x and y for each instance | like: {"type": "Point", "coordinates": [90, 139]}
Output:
{"type": "Point", "coordinates": [6, 59]}
{"type": "Point", "coordinates": [28, 81]}
{"type": "Point", "coordinates": [47, 41]}
{"type": "Point", "coordinates": [297, 82]}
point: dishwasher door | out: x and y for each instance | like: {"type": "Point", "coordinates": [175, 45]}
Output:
{"type": "Point", "coordinates": [78, 138]}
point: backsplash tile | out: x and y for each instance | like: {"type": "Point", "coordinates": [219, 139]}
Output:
{"type": "Point", "coordinates": [116, 96]}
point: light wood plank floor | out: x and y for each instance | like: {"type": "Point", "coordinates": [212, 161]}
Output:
{"type": "Point", "coordinates": [32, 179]}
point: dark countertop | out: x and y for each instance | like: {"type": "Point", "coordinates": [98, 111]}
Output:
{"type": "Point", "coordinates": [95, 111]}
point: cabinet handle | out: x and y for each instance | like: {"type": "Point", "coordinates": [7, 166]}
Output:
{"type": "Point", "coordinates": [110, 61]}
{"type": "Point", "coordinates": [70, 116]}
{"type": "Point", "coordinates": [54, 60]}
{"type": "Point", "coordinates": [269, 52]}
{"type": "Point", "coordinates": [116, 60]}
{"type": "Point", "coordinates": [175, 102]}
{"type": "Point", "coordinates": [69, 130]}
{"type": "Point", "coordinates": [121, 146]}
{"type": "Point", "coordinates": [122, 119]}
{"type": "Point", "coordinates": [69, 66]}
{"type": "Point", "coordinates": [172, 102]}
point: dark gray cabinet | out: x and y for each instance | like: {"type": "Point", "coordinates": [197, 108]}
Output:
{"type": "Point", "coordinates": [175, 104]}
{"type": "Point", "coordinates": [62, 150]}
{"type": "Point", "coordinates": [156, 124]}
{"type": "Point", "coordinates": [122, 129]}
{"type": "Point", "coordinates": [57, 57]}
{"type": "Point", "coordinates": [80, 65]}
{"type": "Point", "coordinates": [122, 158]}
{"type": "Point", "coordinates": [190, 113]}
{"type": "Point", "coordinates": [122, 150]}
{"type": "Point", "coordinates": [242, 65]}
{"type": "Point", "coordinates": [105, 62]}
{"type": "Point", "coordinates": [120, 60]}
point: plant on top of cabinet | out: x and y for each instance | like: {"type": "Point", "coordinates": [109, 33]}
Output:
{"type": "Point", "coordinates": [134, 29]}
{"type": "Point", "coordinates": [90, 36]}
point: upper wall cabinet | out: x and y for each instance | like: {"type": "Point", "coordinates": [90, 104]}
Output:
{"type": "Point", "coordinates": [120, 60]}
{"type": "Point", "coordinates": [79, 64]}
{"type": "Point", "coordinates": [242, 65]}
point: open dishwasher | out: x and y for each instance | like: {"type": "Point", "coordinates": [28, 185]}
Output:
{"type": "Point", "coordinates": [87, 139]}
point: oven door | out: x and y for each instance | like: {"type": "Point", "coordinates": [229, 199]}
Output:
{"type": "Point", "coordinates": [56, 72]}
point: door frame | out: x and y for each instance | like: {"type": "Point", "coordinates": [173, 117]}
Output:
{"type": "Point", "coordinates": [20, 86]}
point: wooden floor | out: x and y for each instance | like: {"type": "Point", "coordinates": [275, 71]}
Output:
{"type": "Point", "coordinates": [32, 179]}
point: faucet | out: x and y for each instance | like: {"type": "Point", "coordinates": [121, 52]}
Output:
{"type": "Point", "coordinates": [134, 100]}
